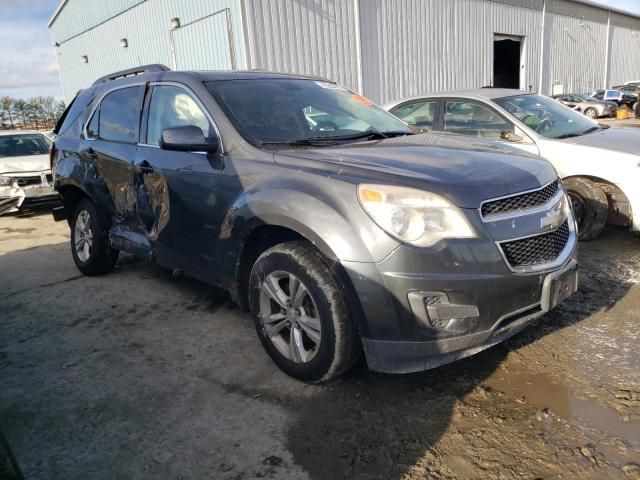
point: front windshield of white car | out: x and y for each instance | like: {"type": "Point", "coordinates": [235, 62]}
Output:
{"type": "Point", "coordinates": [546, 116]}
{"type": "Point", "coordinates": [21, 145]}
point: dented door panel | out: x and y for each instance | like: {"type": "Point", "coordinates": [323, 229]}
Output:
{"type": "Point", "coordinates": [114, 167]}
{"type": "Point", "coordinates": [178, 206]}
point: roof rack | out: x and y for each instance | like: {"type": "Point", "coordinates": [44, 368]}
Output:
{"type": "Point", "coordinates": [132, 72]}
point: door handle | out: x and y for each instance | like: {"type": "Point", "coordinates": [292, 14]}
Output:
{"type": "Point", "coordinates": [143, 168]}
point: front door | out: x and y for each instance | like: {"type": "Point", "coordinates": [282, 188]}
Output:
{"type": "Point", "coordinates": [479, 120]}
{"type": "Point", "coordinates": [178, 192]}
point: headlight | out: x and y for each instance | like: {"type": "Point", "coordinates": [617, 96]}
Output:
{"type": "Point", "coordinates": [413, 216]}
{"type": "Point", "coordinates": [5, 181]}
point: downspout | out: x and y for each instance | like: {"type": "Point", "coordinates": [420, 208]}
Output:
{"type": "Point", "coordinates": [245, 33]}
{"type": "Point", "coordinates": [360, 79]}
{"type": "Point", "coordinates": [544, 15]}
{"type": "Point", "coordinates": [606, 53]}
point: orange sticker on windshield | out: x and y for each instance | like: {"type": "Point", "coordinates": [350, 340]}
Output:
{"type": "Point", "coordinates": [362, 100]}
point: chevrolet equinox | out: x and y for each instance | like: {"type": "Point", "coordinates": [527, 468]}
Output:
{"type": "Point", "coordinates": [336, 225]}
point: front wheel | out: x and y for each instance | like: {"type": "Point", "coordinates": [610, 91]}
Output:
{"type": "Point", "coordinates": [300, 313]}
{"type": "Point", "coordinates": [590, 206]}
{"type": "Point", "coordinates": [90, 246]}
{"type": "Point", "coordinates": [591, 112]}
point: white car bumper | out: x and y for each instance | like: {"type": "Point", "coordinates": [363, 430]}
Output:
{"type": "Point", "coordinates": [27, 188]}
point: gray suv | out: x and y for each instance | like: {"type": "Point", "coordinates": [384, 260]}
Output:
{"type": "Point", "coordinates": [337, 226]}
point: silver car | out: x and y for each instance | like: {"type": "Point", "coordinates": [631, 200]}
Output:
{"type": "Point", "coordinates": [591, 107]}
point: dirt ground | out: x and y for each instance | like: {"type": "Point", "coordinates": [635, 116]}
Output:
{"type": "Point", "coordinates": [140, 375]}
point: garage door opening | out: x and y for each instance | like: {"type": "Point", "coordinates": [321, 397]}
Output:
{"type": "Point", "coordinates": [507, 53]}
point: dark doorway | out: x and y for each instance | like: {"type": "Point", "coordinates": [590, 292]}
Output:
{"type": "Point", "coordinates": [506, 62]}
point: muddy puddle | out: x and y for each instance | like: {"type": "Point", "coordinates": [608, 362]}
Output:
{"type": "Point", "coordinates": [549, 396]}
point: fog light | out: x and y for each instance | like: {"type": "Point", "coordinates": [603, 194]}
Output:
{"type": "Point", "coordinates": [434, 310]}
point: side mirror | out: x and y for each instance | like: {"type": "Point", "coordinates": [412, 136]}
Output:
{"type": "Point", "coordinates": [511, 137]}
{"type": "Point", "coordinates": [187, 139]}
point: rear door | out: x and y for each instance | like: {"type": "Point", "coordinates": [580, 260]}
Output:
{"type": "Point", "coordinates": [111, 138]}
{"type": "Point", "coordinates": [178, 192]}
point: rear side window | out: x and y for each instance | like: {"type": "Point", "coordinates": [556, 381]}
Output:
{"type": "Point", "coordinates": [119, 116]}
{"type": "Point", "coordinates": [73, 114]}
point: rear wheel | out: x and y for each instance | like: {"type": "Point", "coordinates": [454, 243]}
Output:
{"type": "Point", "coordinates": [300, 313]}
{"type": "Point", "coordinates": [590, 206]}
{"type": "Point", "coordinates": [90, 246]}
{"type": "Point", "coordinates": [591, 112]}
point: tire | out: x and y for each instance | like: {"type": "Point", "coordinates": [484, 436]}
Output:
{"type": "Point", "coordinates": [90, 246]}
{"type": "Point", "coordinates": [327, 339]}
{"type": "Point", "coordinates": [590, 206]}
{"type": "Point", "coordinates": [591, 112]}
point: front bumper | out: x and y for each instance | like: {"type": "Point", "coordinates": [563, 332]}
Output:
{"type": "Point", "coordinates": [490, 303]}
{"type": "Point", "coordinates": [30, 195]}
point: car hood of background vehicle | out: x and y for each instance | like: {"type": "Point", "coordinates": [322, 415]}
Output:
{"type": "Point", "coordinates": [28, 163]}
{"type": "Point", "coordinates": [466, 171]}
{"type": "Point", "coordinates": [620, 139]}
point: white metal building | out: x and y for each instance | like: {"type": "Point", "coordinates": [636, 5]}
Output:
{"type": "Point", "coordinates": [384, 49]}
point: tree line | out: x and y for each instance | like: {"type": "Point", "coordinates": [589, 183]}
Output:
{"type": "Point", "coordinates": [38, 113]}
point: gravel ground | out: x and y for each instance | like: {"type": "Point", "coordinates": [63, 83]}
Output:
{"type": "Point", "coordinates": [139, 375]}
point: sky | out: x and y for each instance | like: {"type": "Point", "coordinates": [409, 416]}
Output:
{"type": "Point", "coordinates": [28, 64]}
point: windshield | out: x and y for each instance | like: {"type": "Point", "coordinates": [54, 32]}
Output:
{"type": "Point", "coordinates": [280, 110]}
{"type": "Point", "coordinates": [547, 117]}
{"type": "Point", "coordinates": [23, 145]}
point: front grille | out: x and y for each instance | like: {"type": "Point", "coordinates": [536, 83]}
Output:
{"type": "Point", "coordinates": [49, 178]}
{"type": "Point", "coordinates": [26, 181]}
{"type": "Point", "coordinates": [521, 201]}
{"type": "Point", "coordinates": [536, 250]}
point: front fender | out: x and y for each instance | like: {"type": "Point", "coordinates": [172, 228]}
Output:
{"type": "Point", "coordinates": [328, 215]}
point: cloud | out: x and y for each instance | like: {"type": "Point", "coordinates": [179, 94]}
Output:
{"type": "Point", "coordinates": [28, 66]}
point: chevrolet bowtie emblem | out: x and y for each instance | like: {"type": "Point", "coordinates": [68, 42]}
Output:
{"type": "Point", "coordinates": [553, 217]}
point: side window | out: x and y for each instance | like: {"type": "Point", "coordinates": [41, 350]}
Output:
{"type": "Point", "coordinates": [119, 117]}
{"type": "Point", "coordinates": [172, 106]}
{"type": "Point", "coordinates": [599, 95]}
{"type": "Point", "coordinates": [474, 119]}
{"type": "Point", "coordinates": [420, 113]}
{"type": "Point", "coordinates": [611, 94]}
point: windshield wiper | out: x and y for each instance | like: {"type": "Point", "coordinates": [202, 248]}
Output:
{"type": "Point", "coordinates": [330, 139]}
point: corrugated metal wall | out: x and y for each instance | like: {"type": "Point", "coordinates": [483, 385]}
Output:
{"type": "Point", "coordinates": [146, 26]}
{"type": "Point", "coordinates": [577, 47]}
{"type": "Point", "coordinates": [416, 46]}
{"type": "Point", "coordinates": [385, 48]}
{"type": "Point", "coordinates": [624, 58]}
{"type": "Point", "coordinates": [315, 37]}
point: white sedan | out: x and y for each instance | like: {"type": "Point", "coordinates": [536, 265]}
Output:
{"type": "Point", "coordinates": [25, 171]}
{"type": "Point", "coordinates": [599, 165]}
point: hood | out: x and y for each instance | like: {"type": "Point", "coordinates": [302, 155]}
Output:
{"type": "Point", "coordinates": [620, 139]}
{"type": "Point", "coordinates": [28, 163]}
{"type": "Point", "coordinates": [466, 171]}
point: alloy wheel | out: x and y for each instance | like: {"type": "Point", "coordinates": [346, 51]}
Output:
{"type": "Point", "coordinates": [83, 236]}
{"type": "Point", "coordinates": [290, 317]}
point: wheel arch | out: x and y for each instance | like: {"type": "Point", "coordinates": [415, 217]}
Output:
{"type": "Point", "coordinates": [620, 211]}
{"type": "Point", "coordinates": [265, 236]}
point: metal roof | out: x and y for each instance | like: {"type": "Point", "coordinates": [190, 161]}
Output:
{"type": "Point", "coordinates": [591, 3]}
